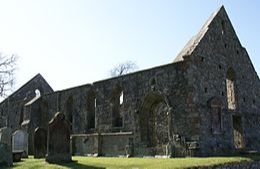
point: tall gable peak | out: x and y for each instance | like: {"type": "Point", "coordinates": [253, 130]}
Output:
{"type": "Point", "coordinates": [220, 15]}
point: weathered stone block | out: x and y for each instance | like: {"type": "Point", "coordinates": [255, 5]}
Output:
{"type": "Point", "coordinates": [5, 155]}
{"type": "Point", "coordinates": [40, 143]}
{"type": "Point", "coordinates": [58, 144]}
{"type": "Point", "coordinates": [6, 136]}
{"type": "Point", "coordinates": [20, 142]}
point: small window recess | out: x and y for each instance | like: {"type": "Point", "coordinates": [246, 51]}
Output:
{"type": "Point", "coordinates": [121, 98]}
{"type": "Point", "coordinates": [37, 93]}
{"type": "Point", "coordinates": [206, 90]}
{"type": "Point", "coordinates": [222, 93]}
{"type": "Point", "coordinates": [153, 81]}
{"type": "Point", "coordinates": [202, 59]}
{"type": "Point", "coordinates": [244, 99]}
{"type": "Point", "coordinates": [223, 27]}
{"type": "Point", "coordinates": [225, 45]}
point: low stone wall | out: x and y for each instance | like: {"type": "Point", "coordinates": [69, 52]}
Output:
{"type": "Point", "coordinates": [242, 165]}
{"type": "Point", "coordinates": [85, 144]}
{"type": "Point", "coordinates": [105, 144]}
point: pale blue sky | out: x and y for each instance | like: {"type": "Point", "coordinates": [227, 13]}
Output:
{"type": "Point", "coordinates": [73, 42]}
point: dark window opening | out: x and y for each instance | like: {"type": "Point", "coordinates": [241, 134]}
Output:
{"type": "Point", "coordinates": [91, 110]}
{"type": "Point", "coordinates": [202, 59]}
{"type": "Point", "coordinates": [253, 101]}
{"type": "Point", "coordinates": [117, 101]}
{"type": "Point", "coordinates": [70, 110]}
{"type": "Point", "coordinates": [216, 109]}
{"type": "Point", "coordinates": [21, 117]}
{"type": "Point", "coordinates": [223, 27]}
{"type": "Point", "coordinates": [153, 82]}
{"type": "Point", "coordinates": [206, 90]}
{"type": "Point", "coordinates": [230, 85]}
{"type": "Point", "coordinates": [238, 132]}
{"type": "Point", "coordinates": [225, 45]}
{"type": "Point", "coordinates": [244, 99]}
{"type": "Point", "coordinates": [219, 66]}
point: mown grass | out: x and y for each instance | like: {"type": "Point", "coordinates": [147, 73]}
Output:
{"type": "Point", "coordinates": [131, 163]}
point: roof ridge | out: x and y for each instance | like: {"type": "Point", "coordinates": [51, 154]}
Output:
{"type": "Point", "coordinates": [194, 41]}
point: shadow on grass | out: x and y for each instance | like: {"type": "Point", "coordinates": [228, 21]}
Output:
{"type": "Point", "coordinates": [253, 156]}
{"type": "Point", "coordinates": [72, 165]}
{"type": "Point", "coordinates": [18, 162]}
{"type": "Point", "coordinates": [76, 165]}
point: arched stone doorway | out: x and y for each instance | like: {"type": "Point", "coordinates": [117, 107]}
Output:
{"type": "Point", "coordinates": [154, 122]}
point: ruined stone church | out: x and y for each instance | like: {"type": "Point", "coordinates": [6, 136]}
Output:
{"type": "Point", "coordinates": [206, 102]}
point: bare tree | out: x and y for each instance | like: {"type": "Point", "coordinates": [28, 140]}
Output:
{"type": "Point", "coordinates": [7, 68]}
{"type": "Point", "coordinates": [123, 68]}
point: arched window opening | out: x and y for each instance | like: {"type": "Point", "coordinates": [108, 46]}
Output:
{"type": "Point", "coordinates": [37, 93]}
{"type": "Point", "coordinates": [21, 116]}
{"type": "Point", "coordinates": [44, 109]}
{"type": "Point", "coordinates": [238, 137]}
{"type": "Point", "coordinates": [230, 84]}
{"type": "Point", "coordinates": [116, 106]}
{"type": "Point", "coordinates": [121, 99]}
{"type": "Point", "coordinates": [69, 110]}
{"type": "Point", "coordinates": [91, 110]}
{"type": "Point", "coordinates": [223, 27]}
{"type": "Point", "coordinates": [216, 110]}
{"type": "Point", "coordinates": [154, 120]}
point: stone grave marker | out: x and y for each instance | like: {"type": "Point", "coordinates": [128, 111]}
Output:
{"type": "Point", "coordinates": [6, 136]}
{"type": "Point", "coordinates": [40, 143]}
{"type": "Point", "coordinates": [58, 144]}
{"type": "Point", "coordinates": [20, 142]}
{"type": "Point", "coordinates": [5, 155]}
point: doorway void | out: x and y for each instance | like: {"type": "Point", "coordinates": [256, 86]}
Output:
{"type": "Point", "coordinates": [238, 132]}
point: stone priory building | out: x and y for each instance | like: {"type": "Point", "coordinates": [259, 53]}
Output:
{"type": "Point", "coordinates": [206, 102]}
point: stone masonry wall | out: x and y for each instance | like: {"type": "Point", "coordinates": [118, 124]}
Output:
{"type": "Point", "coordinates": [168, 83]}
{"type": "Point", "coordinates": [12, 107]}
{"type": "Point", "coordinates": [205, 103]}
{"type": "Point", "coordinates": [218, 51]}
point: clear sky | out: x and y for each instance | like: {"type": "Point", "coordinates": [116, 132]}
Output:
{"type": "Point", "coordinates": [74, 42]}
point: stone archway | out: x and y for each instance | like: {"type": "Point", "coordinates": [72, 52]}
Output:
{"type": "Point", "coordinates": [154, 121]}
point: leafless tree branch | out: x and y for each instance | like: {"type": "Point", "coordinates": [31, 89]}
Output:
{"type": "Point", "coordinates": [123, 68]}
{"type": "Point", "coordinates": [7, 69]}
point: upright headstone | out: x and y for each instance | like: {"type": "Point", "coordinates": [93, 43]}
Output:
{"type": "Point", "coordinates": [5, 155]}
{"type": "Point", "coordinates": [40, 143]}
{"type": "Point", "coordinates": [20, 142]}
{"type": "Point", "coordinates": [6, 136]}
{"type": "Point", "coordinates": [58, 142]}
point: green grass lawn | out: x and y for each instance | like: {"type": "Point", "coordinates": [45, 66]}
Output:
{"type": "Point", "coordinates": [130, 163]}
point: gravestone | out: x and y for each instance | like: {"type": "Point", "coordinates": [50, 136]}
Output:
{"type": "Point", "coordinates": [20, 142]}
{"type": "Point", "coordinates": [6, 136]}
{"type": "Point", "coordinates": [40, 143]}
{"type": "Point", "coordinates": [5, 155]}
{"type": "Point", "coordinates": [58, 144]}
